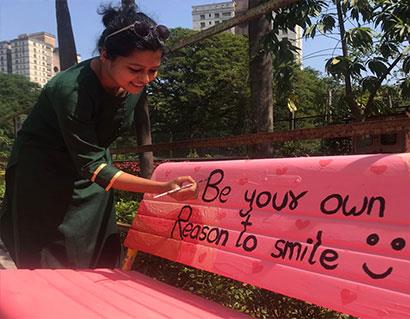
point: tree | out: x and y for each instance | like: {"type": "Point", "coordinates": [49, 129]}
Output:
{"type": "Point", "coordinates": [310, 95]}
{"type": "Point", "coordinates": [142, 123]}
{"type": "Point", "coordinates": [202, 90]}
{"type": "Point", "coordinates": [143, 132]}
{"type": "Point", "coordinates": [373, 36]}
{"type": "Point", "coordinates": [260, 69]}
{"type": "Point", "coordinates": [17, 96]}
{"type": "Point", "coordinates": [67, 51]}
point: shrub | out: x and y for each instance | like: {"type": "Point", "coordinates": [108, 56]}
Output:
{"type": "Point", "coordinates": [251, 300]}
{"type": "Point", "coordinates": [2, 185]}
{"type": "Point", "coordinates": [125, 210]}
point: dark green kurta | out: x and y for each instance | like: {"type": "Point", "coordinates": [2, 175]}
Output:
{"type": "Point", "coordinates": [55, 215]}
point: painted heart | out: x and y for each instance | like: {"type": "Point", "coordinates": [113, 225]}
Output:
{"type": "Point", "coordinates": [257, 267]}
{"type": "Point", "coordinates": [347, 296]}
{"type": "Point", "coordinates": [324, 163]}
{"type": "Point", "coordinates": [300, 224]}
{"type": "Point", "coordinates": [378, 169]}
{"type": "Point", "coordinates": [222, 215]}
{"type": "Point", "coordinates": [202, 257]}
{"type": "Point", "coordinates": [281, 171]}
{"type": "Point", "coordinates": [242, 181]}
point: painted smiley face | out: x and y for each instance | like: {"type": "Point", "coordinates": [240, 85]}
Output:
{"type": "Point", "coordinates": [397, 244]}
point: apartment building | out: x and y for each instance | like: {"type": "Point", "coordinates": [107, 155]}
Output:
{"type": "Point", "coordinates": [30, 55]}
{"type": "Point", "coordinates": [5, 57]}
{"type": "Point", "coordinates": [56, 60]}
{"type": "Point", "coordinates": [207, 15]}
{"type": "Point", "coordinates": [295, 37]}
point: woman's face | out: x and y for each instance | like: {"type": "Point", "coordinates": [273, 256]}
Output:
{"type": "Point", "coordinates": [134, 71]}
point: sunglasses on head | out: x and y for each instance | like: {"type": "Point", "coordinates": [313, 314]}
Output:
{"type": "Point", "coordinates": [144, 31]}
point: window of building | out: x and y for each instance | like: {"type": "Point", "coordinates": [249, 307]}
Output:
{"type": "Point", "coordinates": [216, 15]}
{"type": "Point", "coordinates": [216, 22]}
{"type": "Point", "coordinates": [210, 22]}
{"type": "Point", "coordinates": [226, 14]}
{"type": "Point", "coordinates": [210, 15]}
{"type": "Point", "coordinates": [202, 16]}
{"type": "Point", "coordinates": [202, 24]}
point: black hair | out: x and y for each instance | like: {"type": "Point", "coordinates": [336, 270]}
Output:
{"type": "Point", "coordinates": [123, 43]}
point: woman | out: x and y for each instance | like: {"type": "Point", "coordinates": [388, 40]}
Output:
{"type": "Point", "coordinates": [59, 205]}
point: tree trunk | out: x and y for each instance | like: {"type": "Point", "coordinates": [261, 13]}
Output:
{"type": "Point", "coordinates": [354, 108]}
{"type": "Point", "coordinates": [260, 69]}
{"type": "Point", "coordinates": [142, 124]}
{"type": "Point", "coordinates": [143, 130]}
{"type": "Point", "coordinates": [66, 45]}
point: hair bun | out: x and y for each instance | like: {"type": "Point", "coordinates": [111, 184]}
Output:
{"type": "Point", "coordinates": [109, 14]}
{"type": "Point", "coordinates": [116, 18]}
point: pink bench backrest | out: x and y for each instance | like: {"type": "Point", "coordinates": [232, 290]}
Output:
{"type": "Point", "coordinates": [334, 231]}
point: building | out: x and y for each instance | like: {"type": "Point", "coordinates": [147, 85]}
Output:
{"type": "Point", "coordinates": [56, 60]}
{"type": "Point", "coordinates": [5, 57]}
{"type": "Point", "coordinates": [208, 15]}
{"type": "Point", "coordinates": [295, 37]}
{"type": "Point", "coordinates": [30, 55]}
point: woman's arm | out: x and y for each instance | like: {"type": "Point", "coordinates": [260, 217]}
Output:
{"type": "Point", "coordinates": [131, 183]}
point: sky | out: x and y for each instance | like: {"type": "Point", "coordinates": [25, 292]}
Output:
{"type": "Point", "coordinates": [28, 16]}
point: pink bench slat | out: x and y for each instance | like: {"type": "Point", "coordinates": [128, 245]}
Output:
{"type": "Point", "coordinates": [365, 265]}
{"type": "Point", "coordinates": [101, 293]}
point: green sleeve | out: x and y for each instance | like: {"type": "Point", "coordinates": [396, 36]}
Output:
{"type": "Point", "coordinates": [76, 116]}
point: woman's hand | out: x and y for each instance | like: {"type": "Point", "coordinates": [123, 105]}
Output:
{"type": "Point", "coordinates": [188, 192]}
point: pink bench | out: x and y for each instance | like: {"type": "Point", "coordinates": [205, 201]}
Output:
{"type": "Point", "coordinates": [333, 231]}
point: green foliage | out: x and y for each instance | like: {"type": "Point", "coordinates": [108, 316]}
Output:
{"type": "Point", "coordinates": [309, 95]}
{"type": "Point", "coordinates": [2, 184]}
{"type": "Point", "coordinates": [17, 95]}
{"type": "Point", "coordinates": [375, 34]}
{"type": "Point", "coordinates": [256, 302]}
{"type": "Point", "coordinates": [5, 145]}
{"type": "Point", "coordinates": [2, 189]}
{"type": "Point", "coordinates": [202, 90]}
{"type": "Point", "coordinates": [125, 210]}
